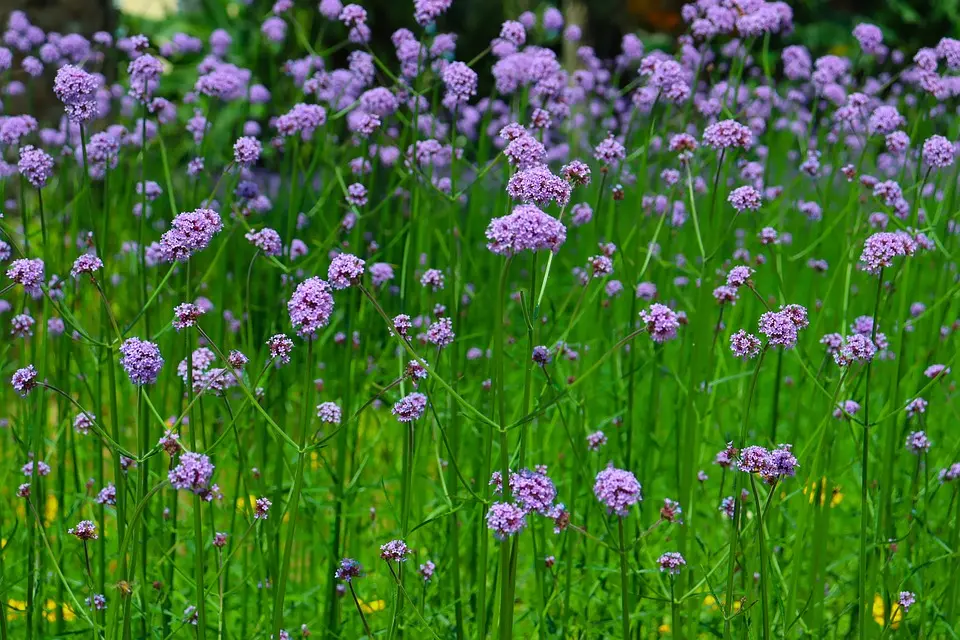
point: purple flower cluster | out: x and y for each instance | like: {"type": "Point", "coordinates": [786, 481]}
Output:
{"type": "Point", "coordinates": [617, 489]}
{"type": "Point", "coordinates": [141, 360]}
{"type": "Point", "coordinates": [310, 307]}
{"type": "Point", "coordinates": [527, 228]}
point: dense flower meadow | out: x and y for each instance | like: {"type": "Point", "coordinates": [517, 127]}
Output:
{"type": "Point", "coordinates": [528, 345]}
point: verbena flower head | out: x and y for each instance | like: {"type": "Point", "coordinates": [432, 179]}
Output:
{"type": "Point", "coordinates": [261, 509]}
{"type": "Point", "coordinates": [745, 198]}
{"type": "Point", "coordinates": [881, 248]}
{"type": "Point", "coordinates": [617, 489]}
{"type": "Point", "coordinates": [440, 333]}
{"type": "Point", "coordinates": [28, 273]}
{"type": "Point", "coordinates": [192, 473]}
{"type": "Point", "coordinates": [84, 530]}
{"type": "Point", "coordinates": [539, 186]}
{"type": "Point", "coordinates": [266, 240]}
{"type": "Point", "coordinates": [329, 412]}
{"type": "Point", "coordinates": [141, 360]}
{"type": "Point", "coordinates": [739, 276]}
{"type": "Point", "coordinates": [505, 519]}
{"type": "Point", "coordinates": [671, 562]}
{"type": "Point", "coordinates": [348, 570]}
{"type": "Point", "coordinates": [779, 328]}
{"type": "Point", "coordinates": [77, 90]}
{"type": "Point", "coordinates": [662, 322]}
{"type": "Point", "coordinates": [906, 599]}
{"type": "Point", "coordinates": [186, 315]}
{"type": "Point", "coordinates": [938, 152]}
{"type": "Point", "coordinates": [35, 165]}
{"type": "Point", "coordinates": [918, 442]}
{"type": "Point", "coordinates": [345, 270]}
{"type": "Point", "coordinates": [86, 264]}
{"type": "Point", "coordinates": [596, 441]}
{"type": "Point", "coordinates": [395, 551]}
{"type": "Point", "coordinates": [410, 407]}
{"type": "Point", "coordinates": [246, 151]}
{"type": "Point", "coordinates": [24, 380]}
{"type": "Point", "coordinates": [190, 232]}
{"type": "Point", "coordinates": [527, 228]}
{"type": "Point", "coordinates": [310, 307]}
{"type": "Point", "coordinates": [426, 570]}
{"type": "Point", "coordinates": [745, 345]}
{"type": "Point", "coordinates": [280, 347]}
{"type": "Point", "coordinates": [727, 134]}
{"type": "Point", "coordinates": [870, 38]}
{"type": "Point", "coordinates": [855, 348]}
{"type": "Point", "coordinates": [609, 151]}
{"type": "Point", "coordinates": [533, 491]}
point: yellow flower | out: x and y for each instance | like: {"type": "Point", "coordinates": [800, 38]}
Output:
{"type": "Point", "coordinates": [879, 609]}
{"type": "Point", "coordinates": [372, 607]}
{"type": "Point", "coordinates": [50, 509]}
{"type": "Point", "coordinates": [663, 629]}
{"type": "Point", "coordinates": [14, 607]}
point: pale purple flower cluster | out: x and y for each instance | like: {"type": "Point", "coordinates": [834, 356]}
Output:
{"type": "Point", "coordinates": [84, 530]}
{"type": "Point", "coordinates": [769, 465]}
{"type": "Point", "coordinates": [280, 347]}
{"type": "Point", "coordinates": [727, 134]}
{"type": "Point", "coordinates": [190, 232]}
{"type": "Point", "coordinates": [505, 519]}
{"type": "Point", "coordinates": [617, 489]}
{"type": "Point", "coordinates": [266, 240]}
{"type": "Point", "coordinates": [24, 380]}
{"type": "Point", "coordinates": [86, 264]}
{"type": "Point", "coordinates": [329, 412]}
{"type": "Point", "coordinates": [538, 185]}
{"type": "Point", "coordinates": [881, 248]}
{"type": "Point", "coordinates": [27, 272]}
{"type": "Point", "coordinates": [662, 322]}
{"type": "Point", "coordinates": [348, 570]}
{"type": "Point", "coordinates": [35, 165]}
{"type": "Point", "coordinates": [77, 90]}
{"type": "Point", "coordinates": [781, 327]}
{"type": "Point", "coordinates": [745, 345]}
{"type": "Point", "coordinates": [186, 315]}
{"type": "Point", "coordinates": [671, 562]}
{"type": "Point", "coordinates": [192, 473]}
{"type": "Point", "coordinates": [310, 307]}
{"type": "Point", "coordinates": [745, 198]}
{"type": "Point", "coordinates": [918, 442]}
{"type": "Point", "coordinates": [141, 360]}
{"type": "Point", "coordinates": [345, 270]}
{"type": "Point", "coordinates": [527, 228]}
{"type": "Point", "coordinates": [410, 407]}
{"type": "Point", "coordinates": [596, 440]}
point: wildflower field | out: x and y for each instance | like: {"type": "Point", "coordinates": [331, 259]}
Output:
{"type": "Point", "coordinates": [524, 344]}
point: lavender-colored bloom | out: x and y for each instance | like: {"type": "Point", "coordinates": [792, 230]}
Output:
{"type": "Point", "coordinates": [410, 407]}
{"type": "Point", "coordinates": [576, 173]}
{"type": "Point", "coordinates": [381, 273]}
{"type": "Point", "coordinates": [302, 119]}
{"type": "Point", "coordinates": [348, 570]}
{"type": "Point", "coordinates": [246, 151]}
{"type": "Point", "coordinates": [846, 408]}
{"type": "Point", "coordinates": [261, 509]}
{"type": "Point", "coordinates": [671, 511]}
{"type": "Point", "coordinates": [460, 82]}
{"type": "Point", "coordinates": [190, 232]}
{"type": "Point", "coordinates": [35, 165]}
{"type": "Point", "coordinates": [582, 214]}
{"type": "Point", "coordinates": [727, 134]}
{"type": "Point", "coordinates": [745, 345]}
{"type": "Point", "coordinates": [440, 333]}
{"type": "Point", "coordinates": [539, 186]}
{"type": "Point", "coordinates": [24, 380]}
{"type": "Point", "coordinates": [880, 249]}
{"type": "Point", "coordinates": [329, 412]}
{"type": "Point", "coordinates": [936, 370]}
{"type": "Point", "coordinates": [29, 273]}
{"type": "Point", "coordinates": [193, 473]}
{"type": "Point", "coordinates": [617, 489]}
{"type": "Point", "coordinates": [274, 29]}
{"type": "Point", "coordinates": [533, 491]}
{"type": "Point", "coordinates": [186, 315]}
{"type": "Point", "coordinates": [505, 519]}
{"type": "Point", "coordinates": [938, 152]}
{"type": "Point", "coordinates": [395, 551]}
{"type": "Point", "coordinates": [107, 495]}
{"type": "Point", "coordinates": [527, 228]}
{"type": "Point", "coordinates": [609, 151]}
{"type": "Point", "coordinates": [426, 570]}
{"type": "Point", "coordinates": [310, 307]}
{"type": "Point", "coordinates": [744, 198]}
{"type": "Point", "coordinates": [266, 240]}
{"type": "Point", "coordinates": [870, 38]}
{"type": "Point", "coordinates": [141, 360]}
{"type": "Point", "coordinates": [662, 322]}
{"type": "Point", "coordinates": [83, 422]}
{"type": "Point", "coordinates": [671, 562]}
{"type": "Point", "coordinates": [86, 264]}
{"type": "Point", "coordinates": [77, 90]}
{"type": "Point", "coordinates": [432, 278]}
{"type": "Point", "coordinates": [514, 33]}
{"type": "Point", "coordinates": [525, 151]}
{"type": "Point", "coordinates": [646, 291]}
{"type": "Point", "coordinates": [739, 276]}
{"type": "Point", "coordinates": [779, 329]}
{"type": "Point", "coordinates": [885, 119]}
{"type": "Point", "coordinates": [906, 599]}
{"type": "Point", "coordinates": [596, 440]}
{"type": "Point", "coordinates": [345, 270]}
{"type": "Point", "coordinates": [85, 530]}
{"type": "Point", "coordinates": [917, 442]}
